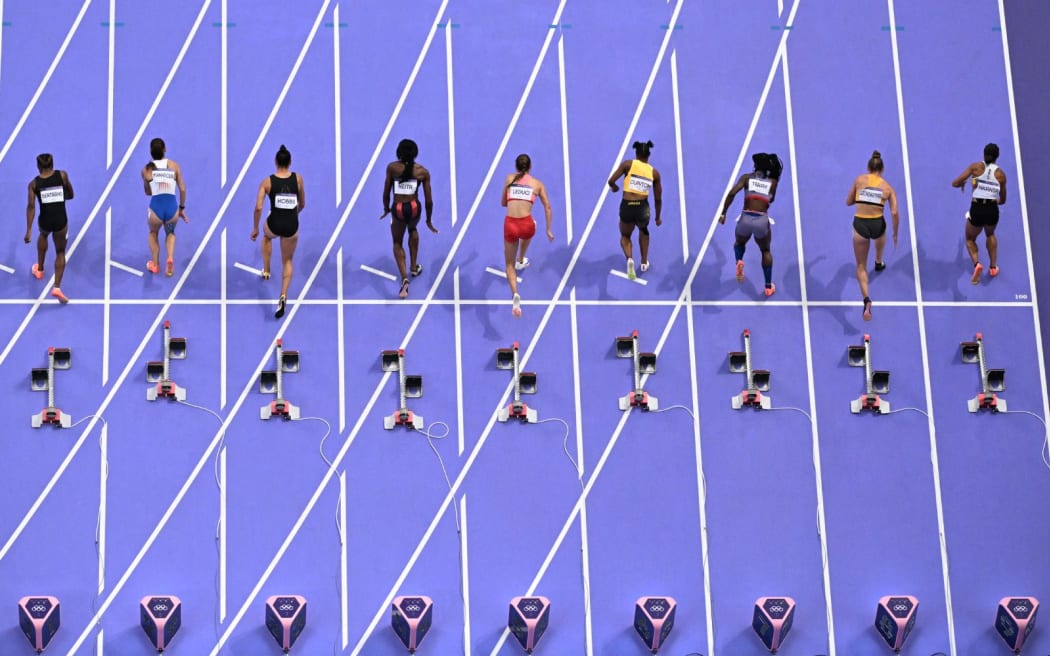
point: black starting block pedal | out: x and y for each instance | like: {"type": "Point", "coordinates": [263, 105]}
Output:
{"type": "Point", "coordinates": [177, 348]}
{"type": "Point", "coordinates": [875, 382]}
{"type": "Point", "coordinates": [413, 386]}
{"type": "Point", "coordinates": [63, 358]}
{"type": "Point", "coordinates": [391, 360]}
{"type": "Point", "coordinates": [39, 380]}
{"type": "Point", "coordinates": [647, 363]}
{"type": "Point", "coordinates": [154, 372]}
{"type": "Point", "coordinates": [524, 383]}
{"type": "Point", "coordinates": [270, 382]}
{"type": "Point", "coordinates": [757, 379]}
{"type": "Point", "coordinates": [992, 380]}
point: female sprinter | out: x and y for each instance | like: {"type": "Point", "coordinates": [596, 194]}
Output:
{"type": "Point", "coordinates": [870, 193]}
{"type": "Point", "coordinates": [52, 189]}
{"type": "Point", "coordinates": [761, 188]}
{"type": "Point", "coordinates": [287, 199]}
{"type": "Point", "coordinates": [520, 191]}
{"type": "Point", "coordinates": [403, 178]}
{"type": "Point", "coordinates": [989, 192]}
{"type": "Point", "coordinates": [160, 178]}
{"type": "Point", "coordinates": [639, 179]}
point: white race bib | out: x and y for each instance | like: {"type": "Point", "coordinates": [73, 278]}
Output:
{"type": "Point", "coordinates": [52, 195]}
{"type": "Point", "coordinates": [406, 187]}
{"type": "Point", "coordinates": [871, 195]}
{"type": "Point", "coordinates": [520, 192]}
{"type": "Point", "coordinates": [759, 186]}
{"type": "Point", "coordinates": [639, 185]}
{"type": "Point", "coordinates": [286, 201]}
{"type": "Point", "coordinates": [986, 189]}
{"type": "Point", "coordinates": [163, 182]}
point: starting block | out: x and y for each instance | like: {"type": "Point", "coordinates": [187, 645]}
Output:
{"type": "Point", "coordinates": [409, 387]}
{"type": "Point", "coordinates": [644, 364]}
{"type": "Point", "coordinates": [875, 382]}
{"type": "Point", "coordinates": [992, 380]}
{"type": "Point", "coordinates": [757, 379]}
{"type": "Point", "coordinates": [1015, 619]}
{"type": "Point", "coordinates": [158, 372]}
{"type": "Point", "coordinates": [528, 620]}
{"type": "Point", "coordinates": [895, 619]}
{"type": "Point", "coordinates": [270, 382]}
{"type": "Point", "coordinates": [524, 383]}
{"type": "Point", "coordinates": [654, 619]}
{"type": "Point", "coordinates": [411, 618]}
{"type": "Point", "coordinates": [43, 380]}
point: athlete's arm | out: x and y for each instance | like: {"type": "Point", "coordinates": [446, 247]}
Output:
{"type": "Point", "coordinates": [147, 177]}
{"type": "Point", "coordinates": [541, 191]}
{"type": "Point", "coordinates": [30, 210]}
{"type": "Point", "coordinates": [773, 191]}
{"type": "Point", "coordinates": [264, 188]}
{"type": "Point", "coordinates": [182, 191]}
{"type": "Point", "coordinates": [851, 198]}
{"type": "Point", "coordinates": [896, 215]}
{"type": "Point", "coordinates": [428, 201]}
{"type": "Point", "coordinates": [506, 188]}
{"type": "Point", "coordinates": [388, 186]}
{"type": "Point", "coordinates": [1001, 177]}
{"type": "Point", "coordinates": [965, 175]}
{"type": "Point", "coordinates": [302, 193]}
{"type": "Point", "coordinates": [730, 196]}
{"type": "Point", "coordinates": [67, 186]}
{"type": "Point", "coordinates": [620, 171]}
{"type": "Point", "coordinates": [658, 192]}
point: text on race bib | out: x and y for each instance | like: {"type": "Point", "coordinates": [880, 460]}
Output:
{"type": "Point", "coordinates": [519, 192]}
{"type": "Point", "coordinates": [871, 195]}
{"type": "Point", "coordinates": [405, 187]}
{"type": "Point", "coordinates": [987, 189]}
{"type": "Point", "coordinates": [52, 195]}
{"type": "Point", "coordinates": [759, 186]}
{"type": "Point", "coordinates": [163, 182]}
{"type": "Point", "coordinates": [638, 184]}
{"type": "Point", "coordinates": [286, 201]}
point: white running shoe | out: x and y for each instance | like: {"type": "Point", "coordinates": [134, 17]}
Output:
{"type": "Point", "coordinates": [516, 306]}
{"type": "Point", "coordinates": [644, 267]}
{"type": "Point", "coordinates": [524, 264]}
{"type": "Point", "coordinates": [630, 269]}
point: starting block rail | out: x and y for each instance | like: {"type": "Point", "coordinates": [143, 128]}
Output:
{"type": "Point", "coordinates": [159, 373]}
{"type": "Point", "coordinates": [270, 382]}
{"type": "Point", "coordinates": [757, 379]}
{"type": "Point", "coordinates": [524, 383]}
{"type": "Point", "coordinates": [643, 363]}
{"type": "Point", "coordinates": [409, 386]}
{"type": "Point", "coordinates": [43, 380]}
{"type": "Point", "coordinates": [992, 380]}
{"type": "Point", "coordinates": [875, 382]}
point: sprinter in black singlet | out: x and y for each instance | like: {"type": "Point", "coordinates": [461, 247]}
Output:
{"type": "Point", "coordinates": [639, 179]}
{"type": "Point", "coordinates": [52, 189]}
{"type": "Point", "coordinates": [404, 178]}
{"type": "Point", "coordinates": [989, 192]}
{"type": "Point", "coordinates": [870, 193]}
{"type": "Point", "coordinates": [761, 191]}
{"type": "Point", "coordinates": [287, 199]}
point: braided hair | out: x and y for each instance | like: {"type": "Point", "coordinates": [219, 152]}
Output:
{"type": "Point", "coordinates": [406, 154]}
{"type": "Point", "coordinates": [641, 149]}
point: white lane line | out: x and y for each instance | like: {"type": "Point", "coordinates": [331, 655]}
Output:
{"type": "Point", "coordinates": [377, 272]}
{"type": "Point", "coordinates": [223, 86]}
{"type": "Point", "coordinates": [134, 358]}
{"type": "Point", "coordinates": [1, 37]}
{"type": "Point", "coordinates": [701, 480]}
{"type": "Point", "coordinates": [6, 269]}
{"type": "Point", "coordinates": [340, 326]}
{"type": "Point", "coordinates": [106, 279]}
{"type": "Point", "coordinates": [112, 181]}
{"type": "Point", "coordinates": [117, 265]}
{"type": "Point", "coordinates": [815, 434]}
{"type": "Point", "coordinates": [1023, 200]}
{"type": "Point", "coordinates": [457, 319]}
{"type": "Point", "coordinates": [223, 562]}
{"type": "Point", "coordinates": [585, 554]}
{"type": "Point", "coordinates": [223, 259]}
{"type": "Point", "coordinates": [47, 78]}
{"type": "Point", "coordinates": [344, 588]}
{"type": "Point", "coordinates": [338, 108]}
{"type": "Point", "coordinates": [565, 137]}
{"type": "Point", "coordinates": [502, 274]}
{"type": "Point", "coordinates": [453, 194]}
{"type": "Point", "coordinates": [927, 385]}
{"type": "Point", "coordinates": [621, 274]}
{"type": "Point", "coordinates": [110, 84]}
{"type": "Point", "coordinates": [465, 570]}
{"type": "Point", "coordinates": [679, 157]}
{"type": "Point", "coordinates": [103, 445]}
{"type": "Point", "coordinates": [245, 267]}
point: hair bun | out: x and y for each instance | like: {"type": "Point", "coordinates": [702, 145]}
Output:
{"type": "Point", "coordinates": [649, 143]}
{"type": "Point", "coordinates": [282, 149]}
{"type": "Point", "coordinates": [876, 155]}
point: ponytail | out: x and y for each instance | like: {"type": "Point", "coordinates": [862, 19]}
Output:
{"type": "Point", "coordinates": [522, 164]}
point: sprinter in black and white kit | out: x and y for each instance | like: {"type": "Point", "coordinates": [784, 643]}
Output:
{"type": "Point", "coordinates": [52, 189]}
{"type": "Point", "coordinates": [989, 192]}
{"type": "Point", "coordinates": [287, 199]}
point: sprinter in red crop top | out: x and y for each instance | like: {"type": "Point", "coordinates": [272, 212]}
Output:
{"type": "Point", "coordinates": [520, 191]}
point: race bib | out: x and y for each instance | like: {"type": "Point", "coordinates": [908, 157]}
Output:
{"type": "Point", "coordinates": [520, 192]}
{"type": "Point", "coordinates": [639, 185]}
{"type": "Point", "coordinates": [406, 187]}
{"type": "Point", "coordinates": [52, 195]}
{"type": "Point", "coordinates": [759, 186]}
{"type": "Point", "coordinates": [163, 182]}
{"type": "Point", "coordinates": [872, 195]}
{"type": "Point", "coordinates": [286, 201]}
{"type": "Point", "coordinates": [986, 189]}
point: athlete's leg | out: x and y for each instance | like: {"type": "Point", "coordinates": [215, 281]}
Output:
{"type": "Point", "coordinates": [991, 242]}
{"type": "Point", "coordinates": [626, 230]}
{"type": "Point", "coordinates": [60, 253]}
{"type": "Point", "coordinates": [397, 233]}
{"type": "Point", "coordinates": [41, 250]}
{"type": "Point", "coordinates": [288, 245]}
{"type": "Point", "coordinates": [643, 244]}
{"type": "Point", "coordinates": [154, 244]}
{"type": "Point", "coordinates": [861, 246]}
{"type": "Point", "coordinates": [971, 241]}
{"type": "Point", "coordinates": [767, 259]}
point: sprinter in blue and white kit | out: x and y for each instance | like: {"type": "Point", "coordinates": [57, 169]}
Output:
{"type": "Point", "coordinates": [161, 178]}
{"type": "Point", "coordinates": [989, 192]}
{"type": "Point", "coordinates": [760, 189]}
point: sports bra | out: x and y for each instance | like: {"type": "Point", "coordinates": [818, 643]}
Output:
{"type": "Point", "coordinates": [521, 191]}
{"type": "Point", "coordinates": [872, 194]}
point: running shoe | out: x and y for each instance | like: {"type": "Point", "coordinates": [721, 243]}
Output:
{"type": "Point", "coordinates": [867, 309]}
{"type": "Point", "coordinates": [879, 266]}
{"type": "Point", "coordinates": [265, 275]}
{"type": "Point", "coordinates": [630, 269]}
{"type": "Point", "coordinates": [976, 279]}
{"type": "Point", "coordinates": [169, 271]}
{"type": "Point", "coordinates": [152, 267]}
{"type": "Point", "coordinates": [993, 271]}
{"type": "Point", "coordinates": [404, 289]}
{"type": "Point", "coordinates": [416, 270]}
{"type": "Point", "coordinates": [516, 306]}
{"type": "Point", "coordinates": [644, 267]}
{"type": "Point", "coordinates": [771, 289]}
{"type": "Point", "coordinates": [38, 273]}
{"type": "Point", "coordinates": [57, 293]}
{"type": "Point", "coordinates": [523, 264]}
{"type": "Point", "coordinates": [740, 271]}
{"type": "Point", "coordinates": [280, 308]}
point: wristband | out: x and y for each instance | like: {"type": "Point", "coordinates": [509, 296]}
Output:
{"type": "Point", "coordinates": [182, 207]}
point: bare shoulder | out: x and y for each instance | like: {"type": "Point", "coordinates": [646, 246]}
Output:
{"type": "Point", "coordinates": [421, 172]}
